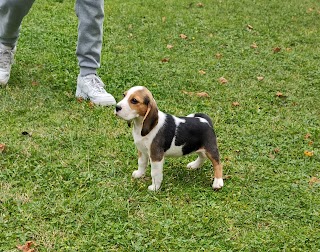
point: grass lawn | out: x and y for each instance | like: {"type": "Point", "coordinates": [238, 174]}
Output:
{"type": "Point", "coordinates": [66, 184]}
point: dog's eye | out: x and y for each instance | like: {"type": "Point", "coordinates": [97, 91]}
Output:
{"type": "Point", "coordinates": [134, 101]}
{"type": "Point", "coordinates": [124, 95]}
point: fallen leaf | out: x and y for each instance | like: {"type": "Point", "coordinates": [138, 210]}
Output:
{"type": "Point", "coordinates": [34, 83]}
{"type": "Point", "coordinates": [130, 26]}
{"type": "Point", "coordinates": [308, 135]}
{"type": "Point", "coordinates": [91, 104]}
{"type": "Point", "coordinates": [26, 247]}
{"type": "Point", "coordinates": [308, 153]}
{"type": "Point", "coordinates": [235, 104]}
{"type": "Point", "coordinates": [79, 99]}
{"type": "Point", "coordinates": [200, 5]}
{"type": "Point", "coordinates": [288, 49]}
{"type": "Point", "coordinates": [250, 27]}
{"type": "Point", "coordinates": [25, 133]}
{"type": "Point", "coordinates": [254, 46]}
{"type": "Point", "coordinates": [199, 94]}
{"type": "Point", "coordinates": [314, 180]}
{"type": "Point", "coordinates": [276, 150]}
{"type": "Point", "coordinates": [164, 60]}
{"type": "Point", "coordinates": [169, 46]}
{"type": "Point", "coordinates": [280, 95]}
{"type": "Point", "coordinates": [183, 36]}
{"type": "Point", "coordinates": [218, 55]}
{"type": "Point", "coordinates": [164, 19]}
{"type": "Point", "coordinates": [310, 10]}
{"type": "Point", "coordinates": [202, 94]}
{"type": "Point", "coordinates": [223, 80]}
{"type": "Point", "coordinates": [260, 78]}
{"type": "Point", "coordinates": [271, 156]}
{"type": "Point", "coordinates": [276, 49]}
{"type": "Point", "coordinates": [2, 148]}
{"type": "Point", "coordinates": [202, 72]}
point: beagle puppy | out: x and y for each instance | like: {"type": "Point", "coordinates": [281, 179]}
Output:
{"type": "Point", "coordinates": [157, 135]}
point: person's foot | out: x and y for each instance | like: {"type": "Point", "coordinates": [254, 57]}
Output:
{"type": "Point", "coordinates": [6, 60]}
{"type": "Point", "coordinates": [92, 87]}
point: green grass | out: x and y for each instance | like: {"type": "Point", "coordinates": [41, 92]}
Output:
{"type": "Point", "coordinates": [67, 185]}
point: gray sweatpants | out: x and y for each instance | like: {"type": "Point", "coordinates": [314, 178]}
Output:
{"type": "Point", "coordinates": [90, 27]}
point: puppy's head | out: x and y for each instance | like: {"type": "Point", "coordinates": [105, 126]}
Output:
{"type": "Point", "coordinates": [138, 102]}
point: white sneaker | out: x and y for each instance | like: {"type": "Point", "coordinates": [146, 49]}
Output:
{"type": "Point", "coordinates": [6, 60]}
{"type": "Point", "coordinates": [92, 87]}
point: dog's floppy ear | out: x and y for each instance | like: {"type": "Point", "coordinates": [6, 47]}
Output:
{"type": "Point", "coordinates": [150, 119]}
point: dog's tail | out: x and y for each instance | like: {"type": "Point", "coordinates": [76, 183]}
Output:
{"type": "Point", "coordinates": [204, 116]}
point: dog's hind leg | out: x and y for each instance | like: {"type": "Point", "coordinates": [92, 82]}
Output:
{"type": "Point", "coordinates": [213, 155]}
{"type": "Point", "coordinates": [199, 161]}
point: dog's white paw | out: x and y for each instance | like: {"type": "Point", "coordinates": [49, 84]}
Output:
{"type": "Point", "coordinates": [137, 174]}
{"type": "Point", "coordinates": [194, 165]}
{"type": "Point", "coordinates": [217, 183]}
{"type": "Point", "coordinates": [153, 187]}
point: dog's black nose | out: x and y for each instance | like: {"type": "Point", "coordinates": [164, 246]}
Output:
{"type": "Point", "coordinates": [118, 108]}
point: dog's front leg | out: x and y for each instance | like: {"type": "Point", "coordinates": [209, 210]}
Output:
{"type": "Point", "coordinates": [142, 165]}
{"type": "Point", "coordinates": [156, 175]}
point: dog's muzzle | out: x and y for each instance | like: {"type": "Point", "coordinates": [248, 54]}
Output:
{"type": "Point", "coordinates": [118, 108]}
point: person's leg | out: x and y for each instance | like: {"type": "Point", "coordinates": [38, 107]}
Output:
{"type": "Point", "coordinates": [11, 15]}
{"type": "Point", "coordinates": [90, 32]}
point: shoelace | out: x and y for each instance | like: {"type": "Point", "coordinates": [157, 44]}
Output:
{"type": "Point", "coordinates": [6, 58]}
{"type": "Point", "coordinates": [97, 84]}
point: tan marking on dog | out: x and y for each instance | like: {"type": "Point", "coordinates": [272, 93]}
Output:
{"type": "Point", "coordinates": [217, 166]}
{"type": "Point", "coordinates": [140, 106]}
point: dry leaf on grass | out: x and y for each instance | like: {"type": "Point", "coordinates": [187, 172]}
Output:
{"type": "Point", "coordinates": [200, 5]}
{"type": "Point", "coordinates": [26, 133]}
{"type": "Point", "coordinates": [164, 60]}
{"type": "Point", "coordinates": [91, 104]}
{"type": "Point", "coordinates": [169, 46]}
{"type": "Point", "coordinates": [80, 99]}
{"type": "Point", "coordinates": [27, 247]}
{"type": "Point", "coordinates": [260, 78]}
{"type": "Point", "coordinates": [183, 36]}
{"type": "Point", "coordinates": [254, 46]}
{"type": "Point", "coordinates": [164, 19]}
{"type": "Point", "coordinates": [35, 83]}
{"type": "Point", "coordinates": [223, 80]}
{"type": "Point", "coordinates": [276, 150]}
{"type": "Point", "coordinates": [202, 72]}
{"type": "Point", "coordinates": [308, 153]}
{"type": "Point", "coordinates": [235, 104]}
{"type": "Point", "coordinates": [280, 95]}
{"type": "Point", "coordinates": [218, 55]}
{"type": "Point", "coordinates": [2, 148]}
{"type": "Point", "coordinates": [314, 180]}
{"type": "Point", "coordinates": [307, 136]}
{"type": "Point", "coordinates": [310, 10]}
{"type": "Point", "coordinates": [276, 49]}
{"type": "Point", "coordinates": [198, 94]}
{"type": "Point", "coordinates": [202, 94]}
{"type": "Point", "coordinates": [249, 27]}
